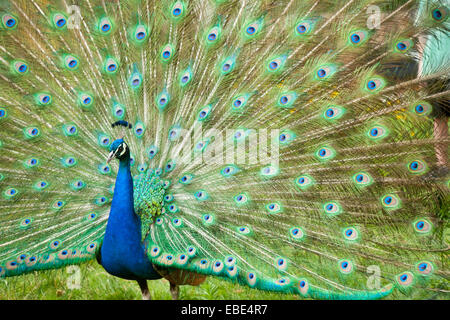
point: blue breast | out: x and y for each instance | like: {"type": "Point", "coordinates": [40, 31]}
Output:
{"type": "Point", "coordinates": [122, 253]}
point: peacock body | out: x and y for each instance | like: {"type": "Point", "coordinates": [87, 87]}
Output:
{"type": "Point", "coordinates": [283, 145]}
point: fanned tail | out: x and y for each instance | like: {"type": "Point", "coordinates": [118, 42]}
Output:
{"type": "Point", "coordinates": [287, 146]}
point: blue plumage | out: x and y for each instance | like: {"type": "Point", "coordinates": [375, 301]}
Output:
{"type": "Point", "coordinates": [122, 252]}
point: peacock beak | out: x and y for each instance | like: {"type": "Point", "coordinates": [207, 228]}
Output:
{"type": "Point", "coordinates": [110, 156]}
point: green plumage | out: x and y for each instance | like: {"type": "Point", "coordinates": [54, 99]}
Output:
{"type": "Point", "coordinates": [330, 175]}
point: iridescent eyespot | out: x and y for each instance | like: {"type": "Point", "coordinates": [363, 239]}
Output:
{"type": "Point", "coordinates": [59, 20]}
{"type": "Point", "coordinates": [274, 208]}
{"type": "Point", "coordinates": [252, 29]}
{"type": "Point", "coordinates": [201, 146]}
{"type": "Point", "coordinates": [230, 261]}
{"type": "Point", "coordinates": [3, 113]}
{"type": "Point", "coordinates": [417, 167]}
{"type": "Point", "coordinates": [104, 168]}
{"type": "Point", "coordinates": [103, 140]}
{"type": "Point", "coordinates": [333, 113]}
{"type": "Point", "coordinates": [71, 62]}
{"type": "Point", "coordinates": [139, 129]}
{"type": "Point", "coordinates": [424, 268]}
{"type": "Point", "coordinates": [405, 279]}
{"type": "Point", "coordinates": [325, 153]}
{"type": "Point", "coordinates": [31, 132]}
{"type": "Point", "coordinates": [135, 79]}
{"type": "Point", "coordinates": [168, 198]}
{"type": "Point", "coordinates": [377, 132]}
{"type": "Point", "coordinates": [100, 200]}
{"type": "Point", "coordinates": [41, 185]}
{"type": "Point", "coordinates": [182, 259]}
{"type": "Point", "coordinates": [422, 109]}
{"type": "Point", "coordinates": [191, 251]}
{"type": "Point", "coordinates": [239, 102]}
{"type": "Point", "coordinates": [403, 45]}
{"type": "Point", "coordinates": [91, 247]}
{"type": "Point", "coordinates": [204, 113]}
{"type": "Point", "coordinates": [439, 14]}
{"type": "Point", "coordinates": [177, 10]}
{"type": "Point", "coordinates": [351, 234]}
{"type": "Point", "coordinates": [186, 179]}
{"type": "Point", "coordinates": [118, 110]}
{"type": "Point", "coordinates": [26, 223]}
{"type": "Point", "coordinates": [170, 165]}
{"type": "Point", "coordinates": [303, 28]}
{"type": "Point", "coordinates": [390, 202]}
{"type": "Point", "coordinates": [374, 84]}
{"type": "Point", "coordinates": [177, 222]}
{"type": "Point", "coordinates": [167, 53]}
{"type": "Point", "coordinates": [286, 137]}
{"type": "Point", "coordinates": [9, 21]}
{"type": "Point", "coordinates": [85, 100]}
{"type": "Point", "coordinates": [325, 71]}
{"type": "Point", "coordinates": [20, 67]}
{"type": "Point", "coordinates": [77, 185]}
{"type": "Point", "coordinates": [142, 167]}
{"type": "Point", "coordinates": [140, 34]}
{"type": "Point", "coordinates": [213, 35]}
{"type": "Point", "coordinates": [362, 179]}
{"type": "Point", "coordinates": [304, 182]}
{"type": "Point", "coordinates": [269, 171]}
{"type": "Point", "coordinates": [111, 65]}
{"type": "Point", "coordinates": [152, 151]}
{"type": "Point", "coordinates": [185, 77]}
{"type": "Point", "coordinates": [69, 161]}
{"type": "Point", "coordinates": [43, 99]}
{"type": "Point", "coordinates": [422, 226]}
{"type": "Point", "coordinates": [229, 171]}
{"type": "Point", "coordinates": [105, 25]}
{"type": "Point", "coordinates": [58, 204]}
{"type": "Point", "coordinates": [241, 199]}
{"type": "Point", "coordinates": [281, 263]}
{"type": "Point", "coordinates": [29, 261]}
{"type": "Point", "coordinates": [286, 100]}
{"type": "Point", "coordinates": [276, 64]}
{"type": "Point", "coordinates": [303, 286]}
{"type": "Point", "coordinates": [244, 230]}
{"type": "Point", "coordinates": [297, 233]}
{"type": "Point", "coordinates": [31, 163]}
{"type": "Point", "coordinates": [240, 135]}
{"type": "Point", "coordinates": [345, 266]}
{"type": "Point", "coordinates": [201, 195]}
{"type": "Point", "coordinates": [208, 219]}
{"type": "Point", "coordinates": [332, 209]}
{"type": "Point", "coordinates": [70, 129]}
{"type": "Point", "coordinates": [228, 65]}
{"type": "Point", "coordinates": [358, 37]}
{"type": "Point", "coordinates": [162, 100]}
{"type": "Point", "coordinates": [54, 244]}
{"type": "Point", "coordinates": [154, 251]}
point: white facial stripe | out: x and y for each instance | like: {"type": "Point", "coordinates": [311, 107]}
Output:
{"type": "Point", "coordinates": [124, 149]}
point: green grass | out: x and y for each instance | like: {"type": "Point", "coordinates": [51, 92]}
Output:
{"type": "Point", "coordinates": [95, 283]}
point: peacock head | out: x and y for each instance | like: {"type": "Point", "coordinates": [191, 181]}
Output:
{"type": "Point", "coordinates": [119, 150]}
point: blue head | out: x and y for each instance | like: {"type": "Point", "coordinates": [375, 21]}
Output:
{"type": "Point", "coordinates": [119, 150]}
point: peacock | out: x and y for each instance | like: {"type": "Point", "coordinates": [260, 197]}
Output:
{"type": "Point", "coordinates": [291, 146]}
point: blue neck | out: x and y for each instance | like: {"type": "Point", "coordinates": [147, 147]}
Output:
{"type": "Point", "coordinates": [122, 253]}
